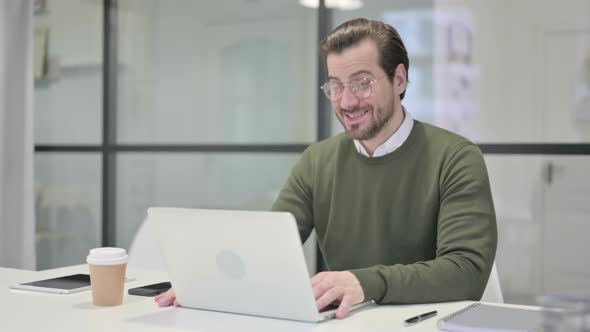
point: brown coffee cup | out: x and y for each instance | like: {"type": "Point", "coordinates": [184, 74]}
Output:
{"type": "Point", "coordinates": [107, 275]}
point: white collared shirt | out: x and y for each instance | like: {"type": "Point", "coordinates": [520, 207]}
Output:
{"type": "Point", "coordinates": [395, 141]}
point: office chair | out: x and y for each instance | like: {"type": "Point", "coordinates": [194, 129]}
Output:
{"type": "Point", "coordinates": [493, 291]}
{"type": "Point", "coordinates": [144, 252]}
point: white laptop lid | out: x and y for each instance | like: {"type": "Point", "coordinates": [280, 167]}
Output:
{"type": "Point", "coordinates": [247, 262]}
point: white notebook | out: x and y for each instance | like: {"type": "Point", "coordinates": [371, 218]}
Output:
{"type": "Point", "coordinates": [487, 318]}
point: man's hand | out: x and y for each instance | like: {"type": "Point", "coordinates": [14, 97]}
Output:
{"type": "Point", "coordinates": [166, 299]}
{"type": "Point", "coordinates": [337, 287]}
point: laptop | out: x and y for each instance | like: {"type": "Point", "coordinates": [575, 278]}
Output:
{"type": "Point", "coordinates": [245, 262]}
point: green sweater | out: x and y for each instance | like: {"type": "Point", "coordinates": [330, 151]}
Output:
{"type": "Point", "coordinates": [416, 225]}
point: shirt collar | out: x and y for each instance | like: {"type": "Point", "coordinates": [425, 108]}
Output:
{"type": "Point", "coordinates": [395, 141]}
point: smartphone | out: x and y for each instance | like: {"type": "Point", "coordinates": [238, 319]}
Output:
{"type": "Point", "coordinates": [150, 290]}
{"type": "Point", "coordinates": [61, 285]}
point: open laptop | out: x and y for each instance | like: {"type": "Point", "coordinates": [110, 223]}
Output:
{"type": "Point", "coordinates": [246, 262]}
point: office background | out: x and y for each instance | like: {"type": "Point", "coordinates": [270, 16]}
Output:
{"type": "Point", "coordinates": [187, 103]}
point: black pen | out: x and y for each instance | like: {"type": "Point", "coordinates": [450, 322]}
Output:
{"type": "Point", "coordinates": [420, 318]}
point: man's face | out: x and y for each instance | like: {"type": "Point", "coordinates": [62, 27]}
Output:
{"type": "Point", "coordinates": [363, 118]}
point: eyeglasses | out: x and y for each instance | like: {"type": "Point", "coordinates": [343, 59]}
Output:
{"type": "Point", "coordinates": [361, 88]}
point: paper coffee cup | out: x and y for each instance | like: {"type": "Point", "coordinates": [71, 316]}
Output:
{"type": "Point", "coordinates": [107, 275]}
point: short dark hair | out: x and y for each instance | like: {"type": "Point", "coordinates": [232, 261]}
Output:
{"type": "Point", "coordinates": [391, 48]}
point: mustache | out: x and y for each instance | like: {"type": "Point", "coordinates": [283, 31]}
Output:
{"type": "Point", "coordinates": [356, 109]}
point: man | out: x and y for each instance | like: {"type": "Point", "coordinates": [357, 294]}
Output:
{"type": "Point", "coordinates": [402, 210]}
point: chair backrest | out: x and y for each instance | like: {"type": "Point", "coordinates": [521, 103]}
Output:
{"type": "Point", "coordinates": [144, 252]}
{"type": "Point", "coordinates": [493, 291]}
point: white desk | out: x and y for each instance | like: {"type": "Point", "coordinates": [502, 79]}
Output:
{"type": "Point", "coordinates": [31, 311]}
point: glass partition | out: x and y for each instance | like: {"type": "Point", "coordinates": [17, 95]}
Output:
{"type": "Point", "coordinates": [494, 71]}
{"type": "Point", "coordinates": [67, 207]}
{"type": "Point", "coordinates": [244, 181]}
{"type": "Point", "coordinates": [68, 72]}
{"type": "Point", "coordinates": [227, 72]}
{"type": "Point", "coordinates": [542, 212]}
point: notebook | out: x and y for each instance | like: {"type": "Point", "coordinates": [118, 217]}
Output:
{"type": "Point", "coordinates": [245, 262]}
{"type": "Point", "coordinates": [487, 318]}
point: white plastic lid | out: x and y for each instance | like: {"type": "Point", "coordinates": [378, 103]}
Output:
{"type": "Point", "coordinates": [107, 256]}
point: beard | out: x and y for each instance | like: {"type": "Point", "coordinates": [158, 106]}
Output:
{"type": "Point", "coordinates": [377, 121]}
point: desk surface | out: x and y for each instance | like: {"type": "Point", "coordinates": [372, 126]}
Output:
{"type": "Point", "coordinates": [32, 311]}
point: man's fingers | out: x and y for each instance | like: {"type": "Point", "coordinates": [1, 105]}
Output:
{"type": "Point", "coordinates": [166, 299]}
{"type": "Point", "coordinates": [337, 287]}
{"type": "Point", "coordinates": [161, 295]}
{"type": "Point", "coordinates": [318, 278]}
{"type": "Point", "coordinates": [344, 307]}
{"type": "Point", "coordinates": [320, 288]}
{"type": "Point", "coordinates": [329, 297]}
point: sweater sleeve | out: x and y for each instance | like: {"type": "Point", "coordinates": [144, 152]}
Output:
{"type": "Point", "coordinates": [466, 242]}
{"type": "Point", "coordinates": [296, 195]}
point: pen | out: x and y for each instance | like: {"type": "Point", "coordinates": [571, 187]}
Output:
{"type": "Point", "coordinates": [420, 318]}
